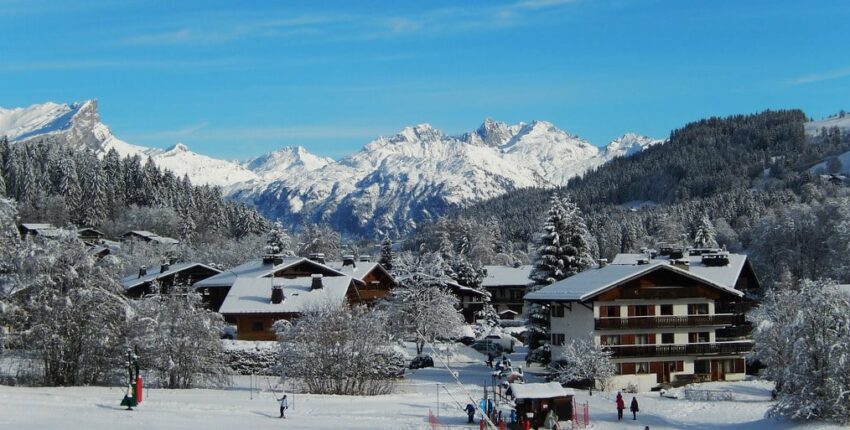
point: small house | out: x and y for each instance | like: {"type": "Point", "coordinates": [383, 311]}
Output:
{"type": "Point", "coordinates": [373, 282]}
{"type": "Point", "coordinates": [90, 236]}
{"type": "Point", "coordinates": [146, 236]}
{"type": "Point", "coordinates": [507, 286]}
{"type": "Point", "coordinates": [534, 401]}
{"type": "Point", "coordinates": [38, 229]}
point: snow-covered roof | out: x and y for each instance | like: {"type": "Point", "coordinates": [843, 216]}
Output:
{"type": "Point", "coordinates": [254, 269]}
{"type": "Point", "coordinates": [358, 271]}
{"type": "Point", "coordinates": [844, 288]}
{"type": "Point", "coordinates": [589, 283]}
{"type": "Point", "coordinates": [41, 229]}
{"type": "Point", "coordinates": [89, 229]}
{"type": "Point", "coordinates": [541, 391]}
{"type": "Point", "coordinates": [37, 226]}
{"type": "Point", "coordinates": [253, 295]}
{"type": "Point", "coordinates": [152, 237]}
{"type": "Point", "coordinates": [449, 283]}
{"type": "Point", "coordinates": [507, 276]}
{"type": "Point", "coordinates": [156, 273]}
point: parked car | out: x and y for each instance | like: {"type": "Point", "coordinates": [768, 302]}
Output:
{"type": "Point", "coordinates": [466, 340]}
{"type": "Point", "coordinates": [421, 362]}
{"type": "Point", "coordinates": [488, 347]}
{"type": "Point", "coordinates": [506, 341]}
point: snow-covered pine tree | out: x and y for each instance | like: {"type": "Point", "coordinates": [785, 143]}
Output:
{"type": "Point", "coordinates": [801, 334]}
{"type": "Point", "coordinates": [562, 250]}
{"type": "Point", "coordinates": [278, 241]}
{"type": "Point", "coordinates": [704, 234]}
{"type": "Point", "coordinates": [584, 361]}
{"type": "Point", "coordinates": [386, 259]}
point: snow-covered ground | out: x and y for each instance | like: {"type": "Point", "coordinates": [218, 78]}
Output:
{"type": "Point", "coordinates": [240, 406]}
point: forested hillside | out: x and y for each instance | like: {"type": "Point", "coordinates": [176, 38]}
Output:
{"type": "Point", "coordinates": [54, 183]}
{"type": "Point", "coordinates": [748, 174]}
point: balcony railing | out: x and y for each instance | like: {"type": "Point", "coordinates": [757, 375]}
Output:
{"type": "Point", "coordinates": [623, 351]}
{"type": "Point", "coordinates": [667, 321]}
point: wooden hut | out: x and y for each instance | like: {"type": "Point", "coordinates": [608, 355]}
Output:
{"type": "Point", "coordinates": [534, 401]}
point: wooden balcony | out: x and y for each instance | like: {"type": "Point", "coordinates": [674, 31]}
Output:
{"type": "Point", "coordinates": [667, 321]}
{"type": "Point", "coordinates": [724, 348]}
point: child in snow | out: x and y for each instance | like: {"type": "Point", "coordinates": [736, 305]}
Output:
{"type": "Point", "coordinates": [470, 412]}
{"type": "Point", "coordinates": [283, 405]}
{"type": "Point", "coordinates": [634, 408]}
{"type": "Point", "coordinates": [620, 406]}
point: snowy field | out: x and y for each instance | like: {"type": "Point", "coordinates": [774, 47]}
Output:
{"type": "Point", "coordinates": [96, 408]}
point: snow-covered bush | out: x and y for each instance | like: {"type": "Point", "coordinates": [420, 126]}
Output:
{"type": "Point", "coordinates": [583, 361]}
{"type": "Point", "coordinates": [801, 335]}
{"type": "Point", "coordinates": [421, 309]}
{"type": "Point", "coordinates": [253, 361]}
{"type": "Point", "coordinates": [178, 339]}
{"type": "Point", "coordinates": [337, 349]}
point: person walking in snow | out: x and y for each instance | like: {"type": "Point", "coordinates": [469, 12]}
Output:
{"type": "Point", "coordinates": [634, 408]}
{"type": "Point", "coordinates": [620, 406]}
{"type": "Point", "coordinates": [470, 412]}
{"type": "Point", "coordinates": [284, 403]}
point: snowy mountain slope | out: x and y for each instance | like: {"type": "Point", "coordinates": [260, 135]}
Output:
{"type": "Point", "coordinates": [395, 182]}
{"type": "Point", "coordinates": [390, 185]}
{"type": "Point", "coordinates": [629, 144]}
{"type": "Point", "coordinates": [288, 160]}
{"type": "Point", "coordinates": [78, 123]}
{"type": "Point", "coordinates": [200, 168]}
{"type": "Point", "coordinates": [842, 121]}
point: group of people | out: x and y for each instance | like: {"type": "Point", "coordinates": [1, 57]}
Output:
{"type": "Point", "coordinates": [622, 405]}
{"type": "Point", "coordinates": [502, 364]}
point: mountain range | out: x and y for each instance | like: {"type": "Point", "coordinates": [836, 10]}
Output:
{"type": "Point", "coordinates": [388, 187]}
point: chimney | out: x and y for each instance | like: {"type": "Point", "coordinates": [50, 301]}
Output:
{"type": "Point", "coordinates": [317, 282]}
{"type": "Point", "coordinates": [164, 267]}
{"type": "Point", "coordinates": [642, 261]}
{"type": "Point", "coordinates": [348, 260]}
{"type": "Point", "coordinates": [143, 270]}
{"type": "Point", "coordinates": [602, 262]}
{"type": "Point", "coordinates": [318, 257]}
{"type": "Point", "coordinates": [365, 258]}
{"type": "Point", "coordinates": [681, 263]}
{"type": "Point", "coordinates": [277, 294]}
{"type": "Point", "coordinates": [272, 259]}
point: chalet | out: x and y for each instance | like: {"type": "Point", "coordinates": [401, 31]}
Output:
{"type": "Point", "coordinates": [147, 236]}
{"type": "Point", "coordinates": [38, 229]}
{"type": "Point", "coordinates": [507, 286]}
{"type": "Point", "coordinates": [254, 304]}
{"type": "Point", "coordinates": [534, 401]}
{"type": "Point", "coordinates": [216, 288]}
{"type": "Point", "coordinates": [470, 300]}
{"type": "Point", "coordinates": [90, 236]}
{"type": "Point", "coordinates": [166, 275]}
{"type": "Point", "coordinates": [373, 282]}
{"type": "Point", "coordinates": [672, 318]}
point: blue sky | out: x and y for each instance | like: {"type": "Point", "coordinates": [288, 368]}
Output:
{"type": "Point", "coordinates": [236, 79]}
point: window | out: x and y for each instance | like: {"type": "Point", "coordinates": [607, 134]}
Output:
{"type": "Point", "coordinates": [557, 339]}
{"type": "Point", "coordinates": [667, 338]}
{"type": "Point", "coordinates": [557, 311]}
{"type": "Point", "coordinates": [698, 337]}
{"type": "Point", "coordinates": [641, 368]}
{"type": "Point", "coordinates": [666, 309]}
{"type": "Point", "coordinates": [610, 339]}
{"type": "Point", "coordinates": [698, 309]}
{"type": "Point", "coordinates": [702, 366]}
{"type": "Point", "coordinates": [641, 339]}
{"type": "Point", "coordinates": [639, 311]}
{"type": "Point", "coordinates": [609, 311]}
{"type": "Point", "coordinates": [257, 325]}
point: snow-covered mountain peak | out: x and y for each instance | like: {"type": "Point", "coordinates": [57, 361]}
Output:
{"type": "Point", "coordinates": [286, 161]}
{"type": "Point", "coordinates": [628, 145]}
{"type": "Point", "coordinates": [178, 147]}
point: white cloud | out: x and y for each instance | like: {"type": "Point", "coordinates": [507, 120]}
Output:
{"type": "Point", "coordinates": [822, 76]}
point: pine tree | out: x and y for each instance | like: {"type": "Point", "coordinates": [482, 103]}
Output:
{"type": "Point", "coordinates": [278, 241]}
{"type": "Point", "coordinates": [386, 259]}
{"type": "Point", "coordinates": [704, 235]}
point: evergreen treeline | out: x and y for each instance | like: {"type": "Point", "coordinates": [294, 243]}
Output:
{"type": "Point", "coordinates": [57, 184]}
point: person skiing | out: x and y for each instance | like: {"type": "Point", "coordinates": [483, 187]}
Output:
{"type": "Point", "coordinates": [284, 403]}
{"type": "Point", "coordinates": [634, 408]}
{"type": "Point", "coordinates": [620, 406]}
{"type": "Point", "coordinates": [470, 412]}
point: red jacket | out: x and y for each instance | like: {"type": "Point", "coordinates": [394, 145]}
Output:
{"type": "Point", "coordinates": [620, 403]}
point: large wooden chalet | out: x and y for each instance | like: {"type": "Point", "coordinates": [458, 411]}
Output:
{"type": "Point", "coordinates": [677, 317]}
{"type": "Point", "coordinates": [372, 281]}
